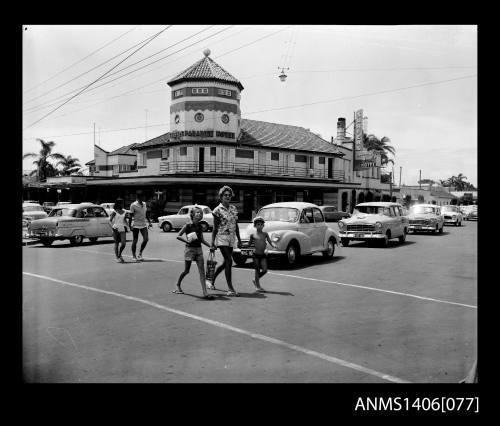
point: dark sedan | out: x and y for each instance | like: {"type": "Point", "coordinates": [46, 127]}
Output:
{"type": "Point", "coordinates": [331, 213]}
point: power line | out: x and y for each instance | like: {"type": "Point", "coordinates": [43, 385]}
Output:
{"type": "Point", "coordinates": [144, 66]}
{"type": "Point", "coordinates": [81, 60]}
{"type": "Point", "coordinates": [364, 94]}
{"type": "Point", "coordinates": [85, 88]}
{"type": "Point", "coordinates": [146, 40]}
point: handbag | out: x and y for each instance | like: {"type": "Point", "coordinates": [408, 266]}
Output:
{"type": "Point", "coordinates": [211, 264]}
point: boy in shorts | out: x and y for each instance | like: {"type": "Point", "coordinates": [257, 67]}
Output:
{"type": "Point", "coordinates": [193, 252]}
{"type": "Point", "coordinates": [259, 238]}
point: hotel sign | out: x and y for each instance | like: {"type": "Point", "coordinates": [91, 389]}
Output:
{"type": "Point", "coordinates": [201, 134]}
{"type": "Point", "coordinates": [366, 160]}
{"type": "Point", "coordinates": [358, 130]}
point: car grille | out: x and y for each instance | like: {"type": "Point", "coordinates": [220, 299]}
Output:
{"type": "Point", "coordinates": [448, 217]}
{"type": "Point", "coordinates": [362, 228]}
{"type": "Point", "coordinates": [419, 222]}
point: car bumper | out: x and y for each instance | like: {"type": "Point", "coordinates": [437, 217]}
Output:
{"type": "Point", "coordinates": [362, 235]}
{"type": "Point", "coordinates": [451, 221]}
{"type": "Point", "coordinates": [273, 252]}
{"type": "Point", "coordinates": [46, 234]}
{"type": "Point", "coordinates": [422, 227]}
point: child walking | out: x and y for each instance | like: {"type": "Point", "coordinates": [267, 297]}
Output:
{"type": "Point", "coordinates": [119, 226]}
{"type": "Point", "coordinates": [193, 251]}
{"type": "Point", "coordinates": [259, 238]}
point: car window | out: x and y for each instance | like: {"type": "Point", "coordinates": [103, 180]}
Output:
{"type": "Point", "coordinates": [281, 214]}
{"type": "Point", "coordinates": [99, 212]}
{"type": "Point", "coordinates": [318, 216]}
{"type": "Point", "coordinates": [32, 209]}
{"type": "Point", "coordinates": [62, 212]}
{"type": "Point", "coordinates": [307, 216]}
{"type": "Point", "coordinates": [395, 211]}
{"type": "Point", "coordinates": [184, 211]}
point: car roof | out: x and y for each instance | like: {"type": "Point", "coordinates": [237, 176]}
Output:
{"type": "Point", "coordinates": [379, 204]}
{"type": "Point", "coordinates": [327, 206]}
{"type": "Point", "coordinates": [294, 204]}
{"type": "Point", "coordinates": [201, 206]}
{"type": "Point", "coordinates": [425, 205]}
{"type": "Point", "coordinates": [79, 206]}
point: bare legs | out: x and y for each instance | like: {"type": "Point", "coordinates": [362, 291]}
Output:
{"type": "Point", "coordinates": [145, 239]}
{"type": "Point", "coordinates": [119, 237]}
{"type": "Point", "coordinates": [260, 266]}
{"type": "Point", "coordinates": [201, 270]}
{"type": "Point", "coordinates": [226, 251]}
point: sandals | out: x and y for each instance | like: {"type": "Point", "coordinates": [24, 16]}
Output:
{"type": "Point", "coordinates": [210, 286]}
{"type": "Point", "coordinates": [177, 291]}
{"type": "Point", "coordinates": [232, 293]}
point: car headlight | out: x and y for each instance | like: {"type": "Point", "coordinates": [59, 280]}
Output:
{"type": "Point", "coordinates": [275, 237]}
{"type": "Point", "coordinates": [378, 225]}
{"type": "Point", "coordinates": [341, 225]}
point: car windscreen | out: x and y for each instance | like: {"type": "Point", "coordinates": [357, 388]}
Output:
{"type": "Point", "coordinates": [33, 209]}
{"type": "Point", "coordinates": [183, 211]}
{"type": "Point", "coordinates": [372, 210]}
{"type": "Point", "coordinates": [63, 212]}
{"type": "Point", "coordinates": [449, 209]}
{"type": "Point", "coordinates": [422, 209]}
{"type": "Point", "coordinates": [281, 214]}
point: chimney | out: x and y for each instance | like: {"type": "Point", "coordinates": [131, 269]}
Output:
{"type": "Point", "coordinates": [332, 139]}
{"type": "Point", "coordinates": [340, 129]}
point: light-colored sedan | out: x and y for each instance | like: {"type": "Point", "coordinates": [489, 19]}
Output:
{"type": "Point", "coordinates": [426, 217]}
{"type": "Point", "coordinates": [73, 222]}
{"type": "Point", "coordinates": [32, 211]}
{"type": "Point", "coordinates": [375, 221]}
{"type": "Point", "coordinates": [452, 215]}
{"type": "Point", "coordinates": [296, 228]}
{"type": "Point", "coordinates": [177, 221]}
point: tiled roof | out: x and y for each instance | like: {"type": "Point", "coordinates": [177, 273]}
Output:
{"type": "Point", "coordinates": [205, 69]}
{"type": "Point", "coordinates": [269, 135]}
{"type": "Point", "coordinates": [124, 149]}
{"type": "Point", "coordinates": [273, 135]}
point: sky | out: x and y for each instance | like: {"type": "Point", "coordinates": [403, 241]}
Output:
{"type": "Point", "coordinates": [416, 84]}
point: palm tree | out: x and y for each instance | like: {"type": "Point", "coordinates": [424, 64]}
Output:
{"type": "Point", "coordinates": [44, 167]}
{"type": "Point", "coordinates": [458, 182]}
{"type": "Point", "coordinates": [380, 146]}
{"type": "Point", "coordinates": [68, 164]}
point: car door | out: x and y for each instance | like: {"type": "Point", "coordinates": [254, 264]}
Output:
{"type": "Point", "coordinates": [306, 227]}
{"type": "Point", "coordinates": [181, 218]}
{"type": "Point", "coordinates": [398, 222]}
{"type": "Point", "coordinates": [102, 223]}
{"type": "Point", "coordinates": [319, 230]}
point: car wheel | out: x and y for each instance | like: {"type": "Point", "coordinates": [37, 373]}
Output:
{"type": "Point", "coordinates": [47, 242]}
{"type": "Point", "coordinates": [460, 223]}
{"type": "Point", "coordinates": [93, 239]}
{"type": "Point", "coordinates": [330, 249]}
{"type": "Point", "coordinates": [344, 241]}
{"type": "Point", "coordinates": [441, 230]}
{"type": "Point", "coordinates": [402, 238]}
{"type": "Point", "coordinates": [292, 254]}
{"type": "Point", "coordinates": [239, 259]}
{"type": "Point", "coordinates": [166, 227]}
{"type": "Point", "coordinates": [77, 239]}
{"type": "Point", "coordinates": [385, 240]}
{"type": "Point", "coordinates": [204, 226]}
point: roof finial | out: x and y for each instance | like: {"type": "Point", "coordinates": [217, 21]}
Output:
{"type": "Point", "coordinates": [206, 52]}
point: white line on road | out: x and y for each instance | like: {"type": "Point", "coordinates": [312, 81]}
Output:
{"type": "Point", "coordinates": [323, 281]}
{"type": "Point", "coordinates": [306, 351]}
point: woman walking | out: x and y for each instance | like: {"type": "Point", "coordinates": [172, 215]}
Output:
{"type": "Point", "coordinates": [119, 226]}
{"type": "Point", "coordinates": [225, 236]}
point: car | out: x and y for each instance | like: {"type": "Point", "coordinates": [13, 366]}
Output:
{"type": "Point", "coordinates": [426, 217]}
{"type": "Point", "coordinates": [73, 222]}
{"type": "Point", "coordinates": [451, 215]}
{"type": "Point", "coordinates": [470, 213]}
{"type": "Point", "coordinates": [110, 207]}
{"type": "Point", "coordinates": [177, 221]}
{"type": "Point", "coordinates": [331, 213]}
{"type": "Point", "coordinates": [296, 228]}
{"type": "Point", "coordinates": [375, 221]}
{"type": "Point", "coordinates": [32, 211]}
{"type": "Point", "coordinates": [48, 206]}
{"type": "Point", "coordinates": [63, 203]}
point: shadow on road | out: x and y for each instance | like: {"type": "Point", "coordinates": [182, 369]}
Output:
{"type": "Point", "coordinates": [392, 245]}
{"type": "Point", "coordinates": [304, 261]}
{"type": "Point", "coordinates": [437, 234]}
{"type": "Point", "coordinates": [66, 245]}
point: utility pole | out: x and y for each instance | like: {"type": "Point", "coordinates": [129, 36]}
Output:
{"type": "Point", "coordinates": [400, 169]}
{"type": "Point", "coordinates": [94, 133]}
{"type": "Point", "coordinates": [146, 127]}
{"type": "Point", "coordinates": [420, 180]}
{"type": "Point", "coordinates": [390, 185]}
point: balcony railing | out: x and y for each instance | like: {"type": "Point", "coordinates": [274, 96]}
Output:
{"type": "Point", "coordinates": [249, 169]}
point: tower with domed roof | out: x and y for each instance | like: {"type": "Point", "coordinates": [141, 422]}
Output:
{"type": "Point", "coordinates": [205, 103]}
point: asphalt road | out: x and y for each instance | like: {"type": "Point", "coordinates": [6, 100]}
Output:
{"type": "Point", "coordinates": [406, 313]}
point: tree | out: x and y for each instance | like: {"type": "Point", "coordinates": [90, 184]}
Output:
{"type": "Point", "coordinates": [68, 164]}
{"type": "Point", "coordinates": [380, 146]}
{"type": "Point", "coordinates": [426, 181]}
{"type": "Point", "coordinates": [44, 167]}
{"type": "Point", "coordinates": [458, 182]}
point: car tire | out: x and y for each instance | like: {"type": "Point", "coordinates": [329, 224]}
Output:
{"type": "Point", "coordinates": [329, 252]}
{"type": "Point", "coordinates": [93, 239]}
{"type": "Point", "coordinates": [402, 238]}
{"type": "Point", "coordinates": [204, 226]}
{"type": "Point", "coordinates": [344, 241]}
{"type": "Point", "coordinates": [460, 223]}
{"type": "Point", "coordinates": [166, 227]}
{"type": "Point", "coordinates": [292, 254]}
{"type": "Point", "coordinates": [441, 230]}
{"type": "Point", "coordinates": [47, 242]}
{"type": "Point", "coordinates": [76, 240]}
{"type": "Point", "coordinates": [239, 259]}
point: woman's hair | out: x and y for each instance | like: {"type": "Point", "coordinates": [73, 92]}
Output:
{"type": "Point", "coordinates": [118, 203]}
{"type": "Point", "coordinates": [224, 189]}
{"type": "Point", "coordinates": [193, 209]}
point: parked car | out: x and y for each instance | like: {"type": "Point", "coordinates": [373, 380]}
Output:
{"type": "Point", "coordinates": [296, 228]}
{"type": "Point", "coordinates": [375, 221]}
{"type": "Point", "coordinates": [48, 206]}
{"type": "Point", "coordinates": [63, 203]}
{"type": "Point", "coordinates": [73, 222]}
{"type": "Point", "coordinates": [472, 214]}
{"type": "Point", "coordinates": [452, 215]}
{"type": "Point", "coordinates": [32, 211]}
{"type": "Point", "coordinates": [426, 217]}
{"type": "Point", "coordinates": [331, 213]}
{"type": "Point", "coordinates": [177, 221]}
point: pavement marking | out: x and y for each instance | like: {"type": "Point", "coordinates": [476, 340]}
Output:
{"type": "Point", "coordinates": [323, 281]}
{"type": "Point", "coordinates": [257, 336]}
